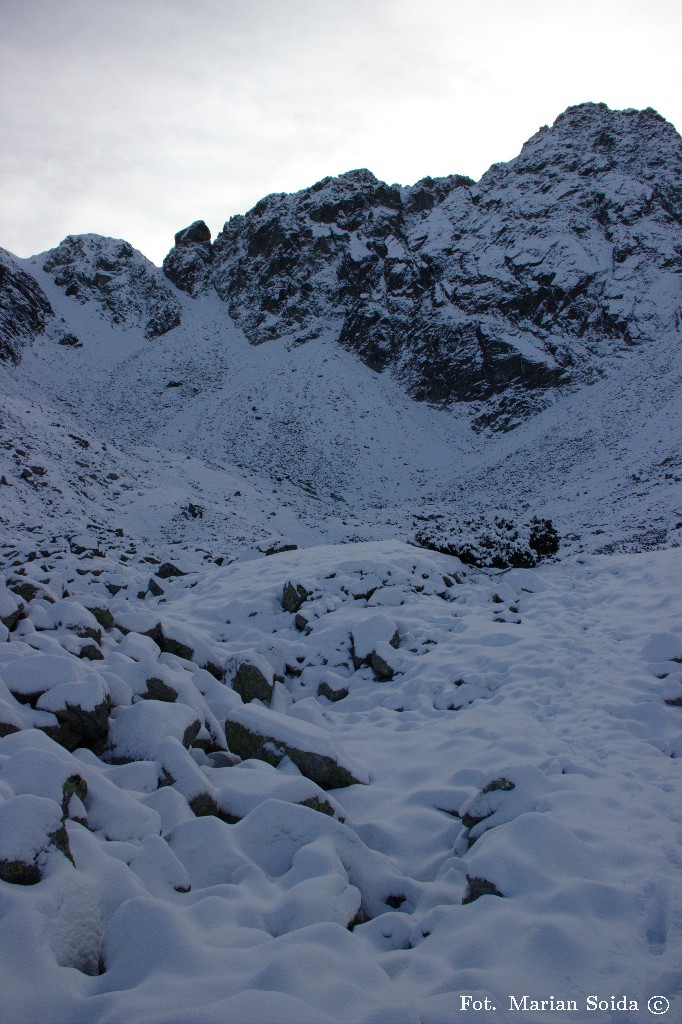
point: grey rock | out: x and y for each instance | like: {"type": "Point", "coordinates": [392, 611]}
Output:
{"type": "Point", "coordinates": [168, 644]}
{"type": "Point", "coordinates": [168, 570]}
{"type": "Point", "coordinates": [294, 596]}
{"type": "Point", "coordinates": [70, 341]}
{"type": "Point", "coordinates": [249, 741]}
{"type": "Point", "coordinates": [477, 887]}
{"type": "Point", "coordinates": [482, 806]}
{"type": "Point", "coordinates": [38, 820]}
{"type": "Point", "coordinates": [24, 308]}
{"type": "Point", "coordinates": [89, 725]}
{"type": "Point", "coordinates": [196, 233]}
{"type": "Point", "coordinates": [251, 684]}
{"type": "Point", "coordinates": [188, 263]}
{"type": "Point", "coordinates": [331, 693]}
{"type": "Point", "coordinates": [158, 690]}
{"type": "Point", "coordinates": [103, 616]}
{"type": "Point", "coordinates": [91, 652]}
{"type": "Point", "coordinates": [381, 667]}
{"type": "Point", "coordinates": [154, 589]}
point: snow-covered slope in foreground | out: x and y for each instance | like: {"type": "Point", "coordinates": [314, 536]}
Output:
{"type": "Point", "coordinates": [452, 783]}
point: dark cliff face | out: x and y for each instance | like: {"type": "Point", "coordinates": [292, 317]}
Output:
{"type": "Point", "coordinates": [492, 291]}
{"type": "Point", "coordinates": [24, 308]}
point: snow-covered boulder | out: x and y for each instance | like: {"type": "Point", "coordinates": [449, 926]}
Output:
{"type": "Point", "coordinates": [11, 608]}
{"type": "Point", "coordinates": [244, 786]}
{"type": "Point", "coordinates": [29, 827]}
{"type": "Point", "coordinates": [135, 732]}
{"type": "Point", "coordinates": [30, 676]}
{"type": "Point", "coordinates": [253, 680]}
{"type": "Point", "coordinates": [177, 769]}
{"type": "Point", "coordinates": [82, 709]}
{"type": "Point", "coordinates": [50, 773]}
{"type": "Point", "coordinates": [374, 640]}
{"type": "Point", "coordinates": [258, 732]}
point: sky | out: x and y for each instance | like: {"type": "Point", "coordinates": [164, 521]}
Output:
{"type": "Point", "coordinates": [133, 118]}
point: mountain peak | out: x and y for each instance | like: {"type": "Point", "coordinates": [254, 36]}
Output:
{"type": "Point", "coordinates": [126, 287]}
{"type": "Point", "coordinates": [591, 138]}
{"type": "Point", "coordinates": [580, 113]}
{"type": "Point", "coordinates": [500, 293]}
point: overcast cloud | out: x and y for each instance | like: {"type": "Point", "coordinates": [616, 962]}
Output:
{"type": "Point", "coordinates": [132, 118]}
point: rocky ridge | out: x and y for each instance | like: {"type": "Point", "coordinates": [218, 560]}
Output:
{"type": "Point", "coordinates": [500, 293]}
{"type": "Point", "coordinates": [492, 291]}
{"type": "Point", "coordinates": [126, 286]}
{"type": "Point", "coordinates": [24, 308]}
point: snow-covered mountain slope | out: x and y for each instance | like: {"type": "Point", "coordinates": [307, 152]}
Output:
{"type": "Point", "coordinates": [568, 256]}
{"type": "Point", "coordinates": [318, 446]}
{"type": "Point", "coordinates": [118, 280]}
{"type": "Point", "coordinates": [499, 293]}
{"type": "Point", "coordinates": [360, 781]}
{"type": "Point", "coordinates": [528, 280]}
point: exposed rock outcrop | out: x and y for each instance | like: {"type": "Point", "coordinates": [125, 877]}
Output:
{"type": "Point", "coordinates": [187, 264]}
{"type": "Point", "coordinates": [500, 293]}
{"type": "Point", "coordinates": [496, 291]}
{"type": "Point", "coordinates": [128, 288]}
{"type": "Point", "coordinates": [24, 308]}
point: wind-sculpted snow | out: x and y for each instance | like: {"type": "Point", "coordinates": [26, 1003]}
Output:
{"type": "Point", "coordinates": [527, 710]}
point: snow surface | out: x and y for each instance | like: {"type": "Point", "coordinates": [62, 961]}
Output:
{"type": "Point", "coordinates": [526, 750]}
{"type": "Point", "coordinates": [279, 443]}
{"type": "Point", "coordinates": [554, 680]}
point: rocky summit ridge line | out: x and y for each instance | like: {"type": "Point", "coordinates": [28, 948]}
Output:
{"type": "Point", "coordinates": [498, 292]}
{"type": "Point", "coordinates": [521, 282]}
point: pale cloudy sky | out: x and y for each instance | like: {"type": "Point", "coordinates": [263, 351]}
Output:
{"type": "Point", "coordinates": [133, 118]}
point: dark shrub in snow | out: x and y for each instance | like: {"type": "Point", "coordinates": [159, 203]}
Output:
{"type": "Point", "coordinates": [496, 544]}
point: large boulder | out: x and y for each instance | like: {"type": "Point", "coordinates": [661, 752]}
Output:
{"type": "Point", "coordinates": [135, 732]}
{"type": "Point", "coordinates": [82, 709]}
{"type": "Point", "coordinates": [198, 233]}
{"type": "Point", "coordinates": [374, 640]}
{"type": "Point", "coordinates": [49, 773]}
{"type": "Point", "coordinates": [294, 596]}
{"type": "Point", "coordinates": [269, 736]}
{"type": "Point", "coordinates": [254, 681]}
